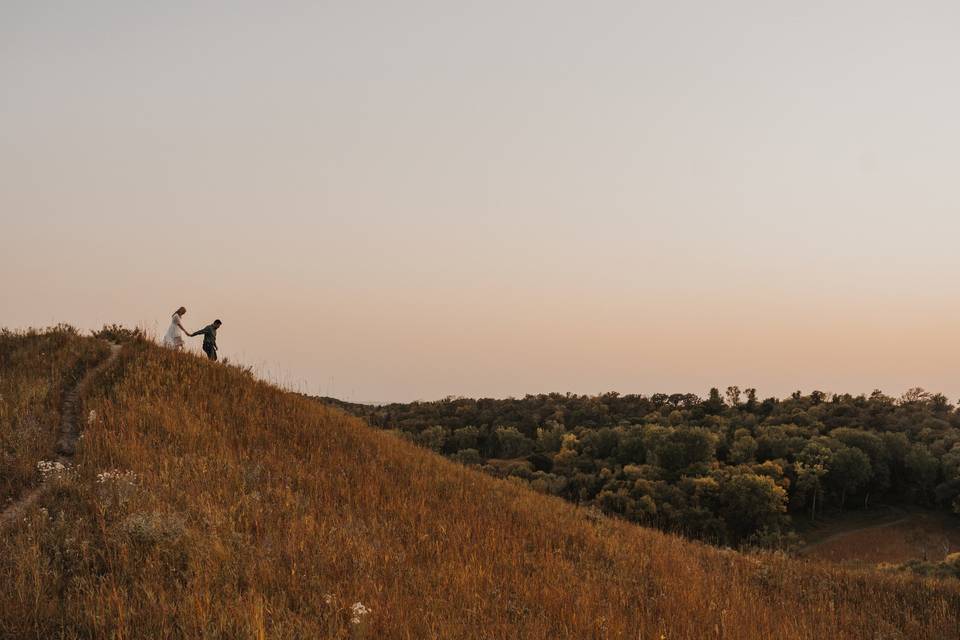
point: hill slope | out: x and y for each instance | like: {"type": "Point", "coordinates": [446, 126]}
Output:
{"type": "Point", "coordinates": [207, 504]}
{"type": "Point", "coordinates": [37, 370]}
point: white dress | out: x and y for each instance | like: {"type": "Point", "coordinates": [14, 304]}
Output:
{"type": "Point", "coordinates": [173, 337]}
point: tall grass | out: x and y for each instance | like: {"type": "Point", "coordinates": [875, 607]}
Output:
{"type": "Point", "coordinates": [207, 504]}
{"type": "Point", "coordinates": [36, 369]}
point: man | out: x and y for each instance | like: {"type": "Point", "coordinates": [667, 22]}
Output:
{"type": "Point", "coordinates": [209, 334]}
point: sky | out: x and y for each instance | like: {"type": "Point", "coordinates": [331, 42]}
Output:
{"type": "Point", "coordinates": [389, 201]}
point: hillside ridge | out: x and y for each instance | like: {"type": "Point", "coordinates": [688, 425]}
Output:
{"type": "Point", "coordinates": [205, 503]}
{"type": "Point", "coordinates": [66, 443]}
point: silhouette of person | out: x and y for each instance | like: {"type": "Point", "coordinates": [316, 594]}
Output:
{"type": "Point", "coordinates": [209, 334]}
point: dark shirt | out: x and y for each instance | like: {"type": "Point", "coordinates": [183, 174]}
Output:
{"type": "Point", "coordinates": [209, 334]}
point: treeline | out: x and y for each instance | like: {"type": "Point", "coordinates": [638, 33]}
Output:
{"type": "Point", "coordinates": [730, 469]}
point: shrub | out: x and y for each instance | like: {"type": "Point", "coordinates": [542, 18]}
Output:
{"type": "Point", "coordinates": [119, 334]}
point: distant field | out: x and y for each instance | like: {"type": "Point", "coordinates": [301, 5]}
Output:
{"type": "Point", "coordinates": [894, 535]}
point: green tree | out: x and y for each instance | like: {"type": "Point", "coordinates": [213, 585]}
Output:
{"type": "Point", "coordinates": [743, 450]}
{"type": "Point", "coordinates": [600, 443]}
{"type": "Point", "coordinates": [432, 438]}
{"type": "Point", "coordinates": [679, 450]}
{"type": "Point", "coordinates": [749, 502]}
{"type": "Point", "coordinates": [733, 396]}
{"type": "Point", "coordinates": [714, 403]}
{"type": "Point", "coordinates": [511, 443]}
{"type": "Point", "coordinates": [550, 436]}
{"type": "Point", "coordinates": [780, 442]}
{"type": "Point", "coordinates": [808, 487]}
{"type": "Point", "coordinates": [631, 448]}
{"type": "Point", "coordinates": [468, 456]}
{"type": "Point", "coordinates": [923, 469]}
{"type": "Point", "coordinates": [464, 438]}
{"type": "Point", "coordinates": [875, 448]}
{"type": "Point", "coordinates": [849, 471]}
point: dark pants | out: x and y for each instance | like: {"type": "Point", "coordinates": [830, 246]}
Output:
{"type": "Point", "coordinates": [210, 350]}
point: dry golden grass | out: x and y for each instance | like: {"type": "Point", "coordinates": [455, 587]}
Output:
{"type": "Point", "coordinates": [254, 513]}
{"type": "Point", "coordinates": [916, 535]}
{"type": "Point", "coordinates": [36, 369]}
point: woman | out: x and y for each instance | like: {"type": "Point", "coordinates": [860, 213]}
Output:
{"type": "Point", "coordinates": [173, 339]}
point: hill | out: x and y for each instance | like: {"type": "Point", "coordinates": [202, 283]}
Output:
{"type": "Point", "coordinates": [732, 470]}
{"type": "Point", "coordinates": [204, 503]}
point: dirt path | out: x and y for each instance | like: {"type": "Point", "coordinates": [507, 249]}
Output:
{"type": "Point", "coordinates": [69, 434]}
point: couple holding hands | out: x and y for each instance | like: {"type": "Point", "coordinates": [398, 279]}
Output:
{"type": "Point", "coordinates": [174, 340]}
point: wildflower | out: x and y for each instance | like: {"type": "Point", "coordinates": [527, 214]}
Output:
{"type": "Point", "coordinates": [92, 416]}
{"type": "Point", "coordinates": [116, 476]}
{"type": "Point", "coordinates": [328, 598]}
{"type": "Point", "coordinates": [357, 612]}
{"type": "Point", "coordinates": [49, 468]}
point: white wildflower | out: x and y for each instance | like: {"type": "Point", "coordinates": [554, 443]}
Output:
{"type": "Point", "coordinates": [50, 468]}
{"type": "Point", "coordinates": [328, 598]}
{"type": "Point", "coordinates": [116, 475]}
{"type": "Point", "coordinates": [357, 612]}
{"type": "Point", "coordinates": [92, 416]}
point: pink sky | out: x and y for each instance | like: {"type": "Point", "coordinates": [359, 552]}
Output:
{"type": "Point", "coordinates": [391, 201]}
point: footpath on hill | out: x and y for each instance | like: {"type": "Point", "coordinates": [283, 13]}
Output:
{"type": "Point", "coordinates": [67, 441]}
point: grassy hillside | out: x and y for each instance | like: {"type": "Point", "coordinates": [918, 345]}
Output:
{"type": "Point", "coordinates": [207, 504]}
{"type": "Point", "coordinates": [728, 469]}
{"type": "Point", "coordinates": [36, 368]}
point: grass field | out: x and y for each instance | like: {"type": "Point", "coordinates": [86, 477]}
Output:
{"type": "Point", "coordinates": [36, 369]}
{"type": "Point", "coordinates": [893, 536]}
{"type": "Point", "coordinates": [207, 504]}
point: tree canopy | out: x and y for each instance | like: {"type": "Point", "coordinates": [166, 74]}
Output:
{"type": "Point", "coordinates": [730, 469]}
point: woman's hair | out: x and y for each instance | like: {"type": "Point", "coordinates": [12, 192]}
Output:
{"type": "Point", "coordinates": [181, 311]}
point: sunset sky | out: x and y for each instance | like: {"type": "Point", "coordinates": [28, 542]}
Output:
{"type": "Point", "coordinates": [409, 200]}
